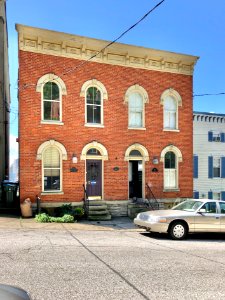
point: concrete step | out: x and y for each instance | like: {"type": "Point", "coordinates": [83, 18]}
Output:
{"type": "Point", "coordinates": [100, 218]}
{"type": "Point", "coordinates": [97, 207]}
{"type": "Point", "coordinates": [98, 212]}
{"type": "Point", "coordinates": [96, 202]}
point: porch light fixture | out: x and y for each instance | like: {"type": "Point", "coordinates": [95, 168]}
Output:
{"type": "Point", "coordinates": [155, 160]}
{"type": "Point", "coordinates": [74, 159]}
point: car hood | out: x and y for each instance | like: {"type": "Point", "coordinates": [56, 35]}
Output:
{"type": "Point", "coordinates": [169, 213]}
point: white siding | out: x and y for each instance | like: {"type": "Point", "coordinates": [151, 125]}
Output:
{"type": "Point", "coordinates": [204, 123]}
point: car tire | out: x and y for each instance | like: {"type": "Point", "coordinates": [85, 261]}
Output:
{"type": "Point", "coordinates": [178, 231]}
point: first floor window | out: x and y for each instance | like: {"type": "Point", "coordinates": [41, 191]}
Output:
{"type": "Point", "coordinates": [170, 171]}
{"type": "Point", "coordinates": [51, 169]}
{"type": "Point", "coordinates": [216, 196]}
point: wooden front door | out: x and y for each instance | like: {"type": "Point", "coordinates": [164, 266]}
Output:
{"type": "Point", "coordinates": [94, 178]}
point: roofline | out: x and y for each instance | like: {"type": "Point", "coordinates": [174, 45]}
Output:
{"type": "Point", "coordinates": [208, 114]}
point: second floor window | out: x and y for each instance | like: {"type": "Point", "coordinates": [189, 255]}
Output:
{"type": "Point", "coordinates": [170, 113]}
{"type": "Point", "coordinates": [51, 102]}
{"type": "Point", "coordinates": [136, 107]}
{"type": "Point", "coordinates": [93, 106]}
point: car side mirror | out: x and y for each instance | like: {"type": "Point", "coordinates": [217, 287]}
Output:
{"type": "Point", "coordinates": [202, 211]}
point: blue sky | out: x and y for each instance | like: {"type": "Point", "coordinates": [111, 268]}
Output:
{"type": "Point", "coordinates": [184, 26]}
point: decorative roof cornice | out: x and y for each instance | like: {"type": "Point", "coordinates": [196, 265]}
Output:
{"type": "Point", "coordinates": [78, 47]}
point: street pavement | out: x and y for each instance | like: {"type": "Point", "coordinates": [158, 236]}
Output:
{"type": "Point", "coordinates": [109, 260]}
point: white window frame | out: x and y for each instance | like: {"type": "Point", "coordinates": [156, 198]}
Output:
{"type": "Point", "coordinates": [63, 156]}
{"type": "Point", "coordinates": [104, 96]}
{"type": "Point", "coordinates": [179, 158]}
{"type": "Point", "coordinates": [144, 95]}
{"type": "Point", "coordinates": [178, 100]}
{"type": "Point", "coordinates": [62, 91]}
{"type": "Point", "coordinates": [218, 159]}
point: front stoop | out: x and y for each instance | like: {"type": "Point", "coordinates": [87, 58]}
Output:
{"type": "Point", "coordinates": [98, 211]}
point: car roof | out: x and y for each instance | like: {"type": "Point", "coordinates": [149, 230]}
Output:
{"type": "Point", "coordinates": [208, 200]}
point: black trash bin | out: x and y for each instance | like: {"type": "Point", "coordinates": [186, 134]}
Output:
{"type": "Point", "coordinates": [10, 194]}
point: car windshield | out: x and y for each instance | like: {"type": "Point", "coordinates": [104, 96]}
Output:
{"type": "Point", "coordinates": [190, 205]}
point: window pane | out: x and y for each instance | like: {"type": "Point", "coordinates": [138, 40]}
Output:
{"type": "Point", "coordinates": [51, 179]}
{"type": "Point", "coordinates": [210, 207]}
{"type": "Point", "coordinates": [51, 91]}
{"type": "Point", "coordinates": [170, 178]}
{"type": "Point", "coordinates": [135, 153]}
{"type": "Point", "coordinates": [170, 104]}
{"type": "Point", "coordinates": [135, 110]}
{"type": "Point", "coordinates": [51, 111]}
{"type": "Point", "coordinates": [93, 151]}
{"type": "Point", "coordinates": [93, 96]}
{"type": "Point", "coordinates": [170, 160]}
{"type": "Point", "coordinates": [216, 172]}
{"type": "Point", "coordinates": [51, 158]}
{"type": "Point", "coordinates": [93, 114]}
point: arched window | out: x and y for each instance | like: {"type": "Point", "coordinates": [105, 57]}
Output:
{"type": "Point", "coordinates": [170, 156]}
{"type": "Point", "coordinates": [51, 153]}
{"type": "Point", "coordinates": [170, 113]}
{"type": "Point", "coordinates": [136, 109]}
{"type": "Point", "coordinates": [51, 102]}
{"type": "Point", "coordinates": [94, 92]}
{"type": "Point", "coordinates": [94, 110]}
{"type": "Point", "coordinates": [51, 88]}
{"type": "Point", "coordinates": [51, 169]}
{"type": "Point", "coordinates": [136, 97]}
{"type": "Point", "coordinates": [170, 100]}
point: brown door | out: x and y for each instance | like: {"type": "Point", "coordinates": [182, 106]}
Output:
{"type": "Point", "coordinates": [94, 177]}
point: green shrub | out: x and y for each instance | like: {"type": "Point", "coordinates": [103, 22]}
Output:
{"type": "Point", "coordinates": [78, 211]}
{"type": "Point", "coordinates": [65, 209]}
{"type": "Point", "coordinates": [44, 218]}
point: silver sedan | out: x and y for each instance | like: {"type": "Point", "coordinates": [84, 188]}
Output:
{"type": "Point", "coordinates": [188, 216]}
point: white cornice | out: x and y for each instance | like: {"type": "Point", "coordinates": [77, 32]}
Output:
{"type": "Point", "coordinates": [78, 47]}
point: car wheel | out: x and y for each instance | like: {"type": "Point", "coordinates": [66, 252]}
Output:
{"type": "Point", "coordinates": [178, 231]}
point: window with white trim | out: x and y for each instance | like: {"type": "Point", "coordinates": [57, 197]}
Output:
{"type": "Point", "coordinates": [216, 196]}
{"type": "Point", "coordinates": [170, 171]}
{"type": "Point", "coordinates": [171, 100]}
{"type": "Point", "coordinates": [136, 110]}
{"type": "Point", "coordinates": [51, 102]}
{"type": "Point", "coordinates": [170, 113]}
{"type": "Point", "coordinates": [51, 170]}
{"type": "Point", "coordinates": [216, 167]}
{"type": "Point", "coordinates": [94, 109]}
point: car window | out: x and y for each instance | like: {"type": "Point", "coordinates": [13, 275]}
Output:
{"type": "Point", "coordinates": [222, 208]}
{"type": "Point", "coordinates": [190, 205]}
{"type": "Point", "coordinates": [210, 207]}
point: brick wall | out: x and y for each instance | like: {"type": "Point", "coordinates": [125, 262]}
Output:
{"type": "Point", "coordinates": [115, 135]}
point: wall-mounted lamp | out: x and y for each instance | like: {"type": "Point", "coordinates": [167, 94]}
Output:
{"type": "Point", "coordinates": [155, 160]}
{"type": "Point", "coordinates": [74, 159]}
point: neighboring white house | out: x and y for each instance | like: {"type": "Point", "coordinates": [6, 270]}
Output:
{"type": "Point", "coordinates": [209, 155]}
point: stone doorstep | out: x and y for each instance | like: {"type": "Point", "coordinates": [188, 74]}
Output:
{"type": "Point", "coordinates": [102, 207]}
{"type": "Point", "coordinates": [98, 212]}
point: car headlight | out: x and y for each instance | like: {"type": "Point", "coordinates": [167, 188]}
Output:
{"type": "Point", "coordinates": [156, 219]}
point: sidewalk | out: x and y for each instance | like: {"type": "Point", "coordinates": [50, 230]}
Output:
{"type": "Point", "coordinates": [117, 223]}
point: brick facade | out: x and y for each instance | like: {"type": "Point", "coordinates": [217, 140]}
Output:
{"type": "Point", "coordinates": [115, 135]}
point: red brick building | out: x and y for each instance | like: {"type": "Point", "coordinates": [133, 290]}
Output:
{"type": "Point", "coordinates": [112, 123]}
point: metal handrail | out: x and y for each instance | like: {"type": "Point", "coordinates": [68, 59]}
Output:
{"type": "Point", "coordinates": [151, 197]}
{"type": "Point", "coordinates": [86, 201]}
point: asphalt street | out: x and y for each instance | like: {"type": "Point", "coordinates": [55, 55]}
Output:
{"type": "Point", "coordinates": [110, 261]}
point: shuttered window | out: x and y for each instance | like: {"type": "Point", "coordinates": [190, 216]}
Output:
{"type": "Point", "coordinates": [196, 195]}
{"type": "Point", "coordinates": [51, 169]}
{"type": "Point", "coordinates": [136, 108]}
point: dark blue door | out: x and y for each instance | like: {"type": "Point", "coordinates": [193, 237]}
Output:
{"type": "Point", "coordinates": [94, 178]}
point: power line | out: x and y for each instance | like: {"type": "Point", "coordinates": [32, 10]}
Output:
{"type": "Point", "coordinates": [108, 45]}
{"type": "Point", "coordinates": [208, 94]}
